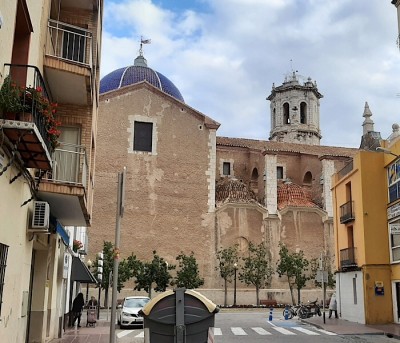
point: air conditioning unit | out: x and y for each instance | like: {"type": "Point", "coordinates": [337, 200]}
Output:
{"type": "Point", "coordinates": [40, 217]}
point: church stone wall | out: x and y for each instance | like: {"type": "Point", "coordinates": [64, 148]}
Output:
{"type": "Point", "coordinates": [166, 196]}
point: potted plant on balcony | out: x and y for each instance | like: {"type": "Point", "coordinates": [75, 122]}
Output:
{"type": "Point", "coordinates": [76, 245]}
{"type": "Point", "coordinates": [47, 110]}
{"type": "Point", "coordinates": [10, 99]}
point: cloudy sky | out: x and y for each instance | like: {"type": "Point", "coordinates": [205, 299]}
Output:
{"type": "Point", "coordinates": [224, 56]}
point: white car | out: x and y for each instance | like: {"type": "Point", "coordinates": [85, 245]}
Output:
{"type": "Point", "coordinates": [128, 311]}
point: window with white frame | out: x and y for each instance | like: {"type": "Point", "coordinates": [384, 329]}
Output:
{"type": "Point", "coordinates": [226, 167]}
{"type": "Point", "coordinates": [143, 138]}
{"type": "Point", "coordinates": [3, 264]}
{"type": "Point", "coordinates": [394, 232]}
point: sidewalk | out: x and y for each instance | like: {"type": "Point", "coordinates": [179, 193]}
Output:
{"type": "Point", "coordinates": [344, 327]}
{"type": "Point", "coordinates": [98, 334]}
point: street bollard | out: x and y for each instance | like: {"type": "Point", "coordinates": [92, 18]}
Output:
{"type": "Point", "coordinates": [286, 312]}
{"type": "Point", "coordinates": [270, 313]}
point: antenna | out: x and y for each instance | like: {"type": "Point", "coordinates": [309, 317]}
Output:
{"type": "Point", "coordinates": [143, 41]}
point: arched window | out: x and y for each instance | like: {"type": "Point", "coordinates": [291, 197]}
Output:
{"type": "Point", "coordinates": [286, 118]}
{"type": "Point", "coordinates": [307, 180]}
{"type": "Point", "coordinates": [273, 118]}
{"type": "Point", "coordinates": [254, 181]}
{"type": "Point", "coordinates": [303, 113]}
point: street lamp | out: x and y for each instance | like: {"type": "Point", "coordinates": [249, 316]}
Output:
{"type": "Point", "coordinates": [235, 267]}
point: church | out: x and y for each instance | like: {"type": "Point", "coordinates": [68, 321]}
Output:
{"type": "Point", "coordinates": [190, 190]}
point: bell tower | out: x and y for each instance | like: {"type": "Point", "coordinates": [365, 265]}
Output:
{"type": "Point", "coordinates": [295, 111]}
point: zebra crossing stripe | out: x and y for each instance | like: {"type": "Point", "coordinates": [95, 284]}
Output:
{"type": "Point", "coordinates": [140, 334]}
{"type": "Point", "coordinates": [124, 333]}
{"type": "Point", "coordinates": [327, 332]}
{"type": "Point", "coordinates": [261, 331]}
{"type": "Point", "coordinates": [238, 331]}
{"type": "Point", "coordinates": [217, 332]}
{"type": "Point", "coordinates": [283, 331]}
{"type": "Point", "coordinates": [308, 332]}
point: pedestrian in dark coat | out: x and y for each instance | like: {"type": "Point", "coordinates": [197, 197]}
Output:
{"type": "Point", "coordinates": [77, 307]}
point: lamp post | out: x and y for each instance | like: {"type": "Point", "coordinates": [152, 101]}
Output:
{"type": "Point", "coordinates": [89, 265]}
{"type": "Point", "coordinates": [235, 267]}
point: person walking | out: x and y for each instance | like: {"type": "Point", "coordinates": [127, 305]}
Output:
{"type": "Point", "coordinates": [92, 301]}
{"type": "Point", "coordinates": [333, 306]}
{"type": "Point", "coordinates": [77, 307]}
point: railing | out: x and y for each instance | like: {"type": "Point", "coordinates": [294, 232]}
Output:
{"type": "Point", "coordinates": [29, 77]}
{"type": "Point", "coordinates": [345, 170]}
{"type": "Point", "coordinates": [348, 258]}
{"type": "Point", "coordinates": [68, 42]}
{"type": "Point", "coordinates": [69, 165]}
{"type": "Point", "coordinates": [346, 212]}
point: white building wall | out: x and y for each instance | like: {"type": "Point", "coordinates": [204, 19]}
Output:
{"type": "Point", "coordinates": [350, 296]}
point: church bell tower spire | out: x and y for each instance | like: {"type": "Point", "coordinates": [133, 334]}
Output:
{"type": "Point", "coordinates": [295, 111]}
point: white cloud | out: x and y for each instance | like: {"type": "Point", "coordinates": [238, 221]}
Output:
{"type": "Point", "coordinates": [225, 59]}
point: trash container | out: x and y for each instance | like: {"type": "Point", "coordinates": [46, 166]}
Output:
{"type": "Point", "coordinates": [179, 316]}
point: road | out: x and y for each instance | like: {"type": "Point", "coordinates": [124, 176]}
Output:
{"type": "Point", "coordinates": [255, 327]}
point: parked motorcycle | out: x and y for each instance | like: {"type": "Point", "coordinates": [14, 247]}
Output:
{"type": "Point", "coordinates": [309, 310]}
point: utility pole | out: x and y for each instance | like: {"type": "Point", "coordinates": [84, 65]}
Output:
{"type": "Point", "coordinates": [120, 213]}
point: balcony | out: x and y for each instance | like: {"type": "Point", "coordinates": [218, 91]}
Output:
{"type": "Point", "coordinates": [346, 212]}
{"type": "Point", "coordinates": [65, 187]}
{"type": "Point", "coordinates": [347, 259]}
{"type": "Point", "coordinates": [69, 63]}
{"type": "Point", "coordinates": [26, 127]}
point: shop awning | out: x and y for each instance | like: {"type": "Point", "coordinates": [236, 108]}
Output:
{"type": "Point", "coordinates": [63, 233]}
{"type": "Point", "coordinates": [81, 273]}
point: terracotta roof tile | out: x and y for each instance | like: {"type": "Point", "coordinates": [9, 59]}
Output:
{"type": "Point", "coordinates": [276, 147]}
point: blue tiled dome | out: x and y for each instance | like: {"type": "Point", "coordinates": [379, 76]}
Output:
{"type": "Point", "coordinates": [137, 73]}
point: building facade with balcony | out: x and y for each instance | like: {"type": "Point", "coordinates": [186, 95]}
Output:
{"type": "Point", "coordinates": [366, 236]}
{"type": "Point", "coordinates": [49, 67]}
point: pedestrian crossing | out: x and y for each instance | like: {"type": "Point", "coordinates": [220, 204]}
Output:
{"type": "Point", "coordinates": [273, 330]}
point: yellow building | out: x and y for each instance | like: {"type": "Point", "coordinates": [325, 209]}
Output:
{"type": "Point", "coordinates": [49, 68]}
{"type": "Point", "coordinates": [366, 232]}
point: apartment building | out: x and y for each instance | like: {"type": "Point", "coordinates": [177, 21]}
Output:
{"type": "Point", "coordinates": [49, 77]}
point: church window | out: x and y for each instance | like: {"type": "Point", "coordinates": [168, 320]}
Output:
{"type": "Point", "coordinates": [279, 173]}
{"type": "Point", "coordinates": [254, 181]}
{"type": "Point", "coordinates": [273, 118]}
{"type": "Point", "coordinates": [226, 168]}
{"type": "Point", "coordinates": [307, 180]}
{"type": "Point", "coordinates": [3, 264]}
{"type": "Point", "coordinates": [143, 136]}
{"type": "Point", "coordinates": [286, 118]}
{"type": "Point", "coordinates": [303, 113]}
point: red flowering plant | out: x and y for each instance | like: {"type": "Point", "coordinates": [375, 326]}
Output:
{"type": "Point", "coordinates": [76, 245]}
{"type": "Point", "coordinates": [48, 110]}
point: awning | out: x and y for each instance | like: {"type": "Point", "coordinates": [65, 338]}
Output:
{"type": "Point", "coordinates": [81, 273]}
{"type": "Point", "coordinates": [63, 234]}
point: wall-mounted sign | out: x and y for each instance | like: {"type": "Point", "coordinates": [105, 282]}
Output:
{"type": "Point", "coordinates": [394, 228]}
{"type": "Point", "coordinates": [379, 289]}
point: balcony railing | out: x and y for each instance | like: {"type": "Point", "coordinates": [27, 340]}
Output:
{"type": "Point", "coordinates": [348, 258]}
{"type": "Point", "coordinates": [25, 79]}
{"type": "Point", "coordinates": [345, 170]}
{"type": "Point", "coordinates": [346, 212]}
{"type": "Point", "coordinates": [69, 165]}
{"type": "Point", "coordinates": [68, 42]}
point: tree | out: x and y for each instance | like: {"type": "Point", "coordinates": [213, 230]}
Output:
{"type": "Point", "coordinates": [126, 269]}
{"type": "Point", "coordinates": [227, 258]}
{"type": "Point", "coordinates": [188, 274]}
{"type": "Point", "coordinates": [108, 264]}
{"type": "Point", "coordinates": [256, 268]}
{"type": "Point", "coordinates": [295, 267]}
{"type": "Point", "coordinates": [156, 271]}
